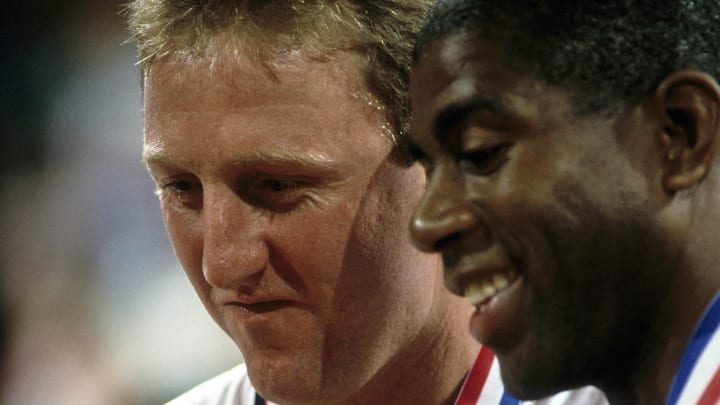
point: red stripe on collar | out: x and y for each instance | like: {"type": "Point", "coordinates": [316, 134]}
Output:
{"type": "Point", "coordinates": [711, 396]}
{"type": "Point", "coordinates": [475, 380]}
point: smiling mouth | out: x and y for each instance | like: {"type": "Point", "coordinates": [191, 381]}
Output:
{"type": "Point", "coordinates": [480, 291]}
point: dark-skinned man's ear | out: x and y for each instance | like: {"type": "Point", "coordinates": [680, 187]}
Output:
{"type": "Point", "coordinates": [690, 108]}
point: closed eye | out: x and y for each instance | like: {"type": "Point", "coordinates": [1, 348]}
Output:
{"type": "Point", "coordinates": [179, 186]}
{"type": "Point", "coordinates": [276, 185]}
{"type": "Point", "coordinates": [278, 194]}
{"type": "Point", "coordinates": [485, 161]}
{"type": "Point", "coordinates": [187, 192]}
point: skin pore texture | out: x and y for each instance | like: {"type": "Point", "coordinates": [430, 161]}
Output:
{"type": "Point", "coordinates": [575, 236]}
{"type": "Point", "coordinates": [288, 213]}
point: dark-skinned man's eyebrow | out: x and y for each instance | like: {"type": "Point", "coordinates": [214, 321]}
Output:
{"type": "Point", "coordinates": [456, 111]}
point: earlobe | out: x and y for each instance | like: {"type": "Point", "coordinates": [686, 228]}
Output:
{"type": "Point", "coordinates": [690, 109]}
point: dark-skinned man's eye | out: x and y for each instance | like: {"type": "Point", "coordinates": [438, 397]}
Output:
{"type": "Point", "coordinates": [486, 161]}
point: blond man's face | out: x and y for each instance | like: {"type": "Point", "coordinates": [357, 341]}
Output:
{"type": "Point", "coordinates": [290, 217]}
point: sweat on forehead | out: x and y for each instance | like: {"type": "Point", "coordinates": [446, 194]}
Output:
{"type": "Point", "coordinates": [382, 31]}
{"type": "Point", "coordinates": [609, 53]}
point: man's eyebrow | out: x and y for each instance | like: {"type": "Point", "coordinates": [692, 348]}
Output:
{"type": "Point", "coordinates": [456, 111]}
{"type": "Point", "coordinates": [155, 155]}
{"type": "Point", "coordinates": [301, 159]}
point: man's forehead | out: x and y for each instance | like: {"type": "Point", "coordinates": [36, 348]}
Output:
{"type": "Point", "coordinates": [234, 76]}
{"type": "Point", "coordinates": [460, 68]}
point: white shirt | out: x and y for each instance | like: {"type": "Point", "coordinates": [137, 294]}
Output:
{"type": "Point", "coordinates": [482, 386]}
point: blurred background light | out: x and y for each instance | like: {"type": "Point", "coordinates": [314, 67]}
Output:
{"type": "Point", "coordinates": [94, 308]}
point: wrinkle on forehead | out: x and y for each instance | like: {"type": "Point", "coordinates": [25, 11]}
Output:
{"type": "Point", "coordinates": [342, 72]}
{"type": "Point", "coordinates": [231, 71]}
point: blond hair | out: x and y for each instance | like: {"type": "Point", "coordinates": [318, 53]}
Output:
{"type": "Point", "coordinates": [381, 31]}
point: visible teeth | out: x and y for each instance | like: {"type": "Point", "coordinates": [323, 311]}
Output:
{"type": "Point", "coordinates": [479, 291]}
{"type": "Point", "coordinates": [488, 289]}
{"type": "Point", "coordinates": [474, 292]}
{"type": "Point", "coordinates": [500, 281]}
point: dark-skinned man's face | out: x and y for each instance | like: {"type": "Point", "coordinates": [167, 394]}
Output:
{"type": "Point", "coordinates": [545, 218]}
